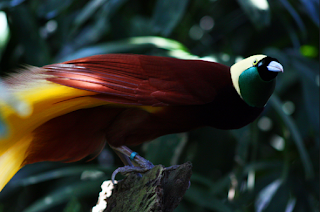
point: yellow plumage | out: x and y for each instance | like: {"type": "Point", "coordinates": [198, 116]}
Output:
{"type": "Point", "coordinates": [11, 160]}
{"type": "Point", "coordinates": [47, 100]}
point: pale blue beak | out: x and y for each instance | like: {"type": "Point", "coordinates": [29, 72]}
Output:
{"type": "Point", "coordinates": [275, 67]}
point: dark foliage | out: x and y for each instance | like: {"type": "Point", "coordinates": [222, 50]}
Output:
{"type": "Point", "coordinates": [270, 165]}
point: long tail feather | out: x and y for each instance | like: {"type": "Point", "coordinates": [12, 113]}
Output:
{"type": "Point", "coordinates": [12, 160]}
{"type": "Point", "coordinates": [48, 100]}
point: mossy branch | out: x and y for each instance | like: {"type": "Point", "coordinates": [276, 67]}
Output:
{"type": "Point", "coordinates": [159, 189]}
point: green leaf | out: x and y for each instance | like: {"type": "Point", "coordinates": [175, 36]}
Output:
{"type": "Point", "coordinates": [312, 9]}
{"type": "Point", "coordinates": [59, 173]}
{"type": "Point", "coordinates": [62, 195]}
{"type": "Point", "coordinates": [73, 205]}
{"type": "Point", "coordinates": [257, 11]}
{"type": "Point", "coordinates": [295, 16]}
{"type": "Point", "coordinates": [127, 45]}
{"type": "Point", "coordinates": [159, 42]}
{"type": "Point", "coordinates": [308, 70]}
{"type": "Point", "coordinates": [166, 150]}
{"type": "Point", "coordinates": [211, 151]}
{"type": "Point", "coordinates": [5, 4]}
{"type": "Point", "coordinates": [243, 139]}
{"type": "Point", "coordinates": [279, 200]}
{"type": "Point", "coordinates": [167, 15]}
{"type": "Point", "coordinates": [92, 33]}
{"type": "Point", "coordinates": [204, 199]}
{"type": "Point", "coordinates": [23, 23]}
{"type": "Point", "coordinates": [51, 8]}
{"type": "Point", "coordinates": [98, 8]}
{"type": "Point", "coordinates": [201, 180]}
{"type": "Point", "coordinates": [221, 162]}
{"type": "Point", "coordinates": [214, 188]}
{"type": "Point", "coordinates": [293, 34]}
{"type": "Point", "coordinates": [289, 122]}
{"type": "Point", "coordinates": [265, 165]}
{"type": "Point", "coordinates": [221, 185]}
{"type": "Point", "coordinates": [182, 208]}
{"type": "Point", "coordinates": [100, 12]}
{"type": "Point", "coordinates": [87, 12]}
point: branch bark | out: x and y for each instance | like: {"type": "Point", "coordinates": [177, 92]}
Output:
{"type": "Point", "coordinates": [159, 189]}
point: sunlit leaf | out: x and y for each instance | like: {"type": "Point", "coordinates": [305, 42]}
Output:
{"type": "Point", "coordinates": [257, 11]}
{"type": "Point", "coordinates": [4, 30]}
{"type": "Point", "coordinates": [266, 195]}
{"type": "Point", "coordinates": [291, 204]}
{"type": "Point", "coordinates": [159, 42]}
{"type": "Point", "coordinates": [127, 45]}
{"type": "Point", "coordinates": [59, 173]}
{"type": "Point", "coordinates": [309, 51]}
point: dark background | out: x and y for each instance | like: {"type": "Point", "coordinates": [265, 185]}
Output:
{"type": "Point", "coordinates": [270, 165]}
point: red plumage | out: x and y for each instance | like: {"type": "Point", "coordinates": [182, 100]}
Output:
{"type": "Point", "coordinates": [190, 93]}
{"type": "Point", "coordinates": [144, 80]}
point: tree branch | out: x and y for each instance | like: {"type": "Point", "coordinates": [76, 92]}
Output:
{"type": "Point", "coordinates": [160, 189]}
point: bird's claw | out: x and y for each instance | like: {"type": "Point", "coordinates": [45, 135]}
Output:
{"type": "Point", "coordinates": [128, 169]}
{"type": "Point", "coordinates": [130, 159]}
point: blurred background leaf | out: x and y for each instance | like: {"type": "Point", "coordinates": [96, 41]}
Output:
{"type": "Point", "coordinates": [257, 11]}
{"type": "Point", "coordinates": [167, 15]}
{"type": "Point", "coordinates": [270, 165]}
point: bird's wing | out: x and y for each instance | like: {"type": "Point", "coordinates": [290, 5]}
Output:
{"type": "Point", "coordinates": [142, 80]}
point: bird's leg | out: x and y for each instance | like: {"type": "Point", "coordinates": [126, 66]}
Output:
{"type": "Point", "coordinates": [125, 160]}
{"type": "Point", "coordinates": [127, 155]}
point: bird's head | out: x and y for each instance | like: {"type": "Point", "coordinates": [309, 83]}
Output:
{"type": "Point", "coordinates": [254, 78]}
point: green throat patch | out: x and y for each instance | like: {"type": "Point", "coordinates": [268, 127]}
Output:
{"type": "Point", "coordinates": [255, 91]}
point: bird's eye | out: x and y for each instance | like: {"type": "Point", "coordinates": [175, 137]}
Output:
{"type": "Point", "coordinates": [255, 62]}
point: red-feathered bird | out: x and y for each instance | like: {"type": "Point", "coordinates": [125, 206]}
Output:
{"type": "Point", "coordinates": [120, 99]}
